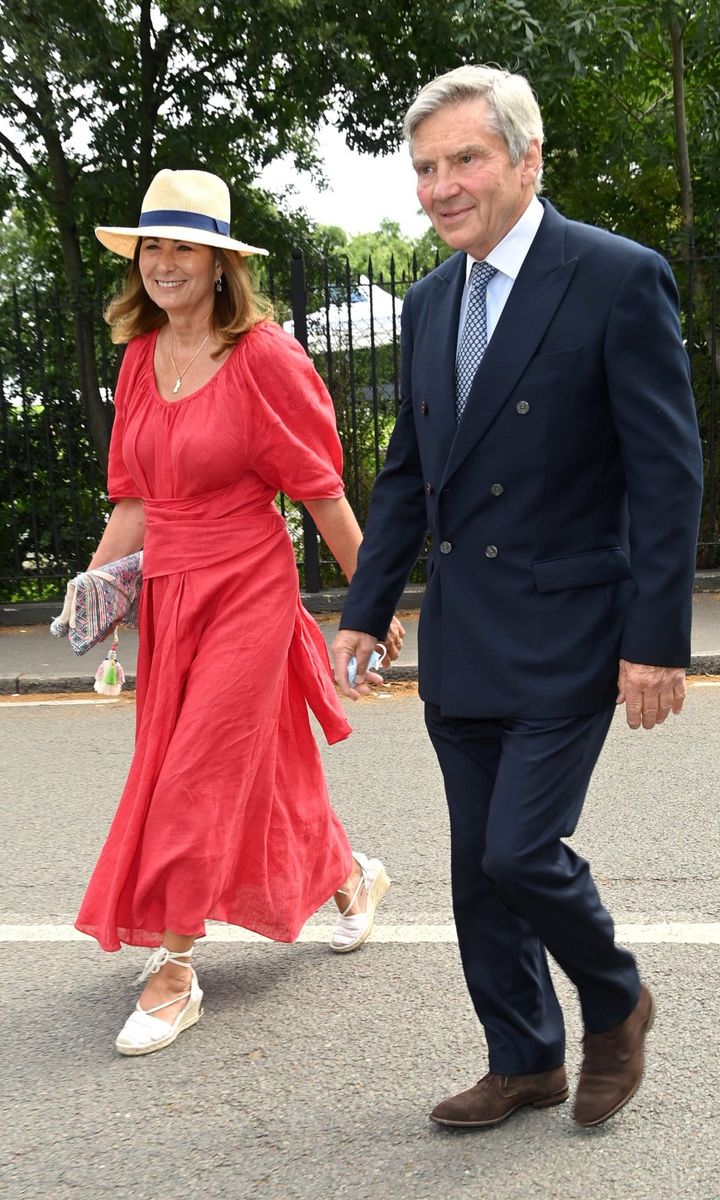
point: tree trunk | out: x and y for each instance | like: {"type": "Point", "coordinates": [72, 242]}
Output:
{"type": "Point", "coordinates": [81, 299]}
{"type": "Point", "coordinates": [147, 92]}
{"type": "Point", "coordinates": [154, 57]}
{"type": "Point", "coordinates": [681, 135]}
{"type": "Point", "coordinates": [82, 302]}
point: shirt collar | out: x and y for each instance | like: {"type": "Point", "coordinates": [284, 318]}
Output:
{"type": "Point", "coordinates": [509, 254]}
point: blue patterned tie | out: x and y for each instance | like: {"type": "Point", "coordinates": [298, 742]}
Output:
{"type": "Point", "coordinates": [473, 342]}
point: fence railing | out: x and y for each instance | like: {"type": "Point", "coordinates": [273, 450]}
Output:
{"type": "Point", "coordinates": [697, 279]}
{"type": "Point", "coordinates": [53, 504]}
{"type": "Point", "coordinates": [351, 327]}
{"type": "Point", "coordinates": [52, 489]}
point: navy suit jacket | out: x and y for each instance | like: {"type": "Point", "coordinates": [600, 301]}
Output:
{"type": "Point", "coordinates": [563, 509]}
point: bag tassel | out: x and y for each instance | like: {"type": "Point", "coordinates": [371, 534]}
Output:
{"type": "Point", "coordinates": [110, 676]}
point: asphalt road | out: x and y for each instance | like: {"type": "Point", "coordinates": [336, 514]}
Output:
{"type": "Point", "coordinates": [311, 1075]}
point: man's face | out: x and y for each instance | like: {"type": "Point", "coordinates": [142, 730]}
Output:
{"type": "Point", "coordinates": [465, 180]}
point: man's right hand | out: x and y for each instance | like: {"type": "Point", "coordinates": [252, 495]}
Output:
{"type": "Point", "coordinates": [349, 643]}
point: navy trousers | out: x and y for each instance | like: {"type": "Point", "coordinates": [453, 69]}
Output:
{"type": "Point", "coordinates": [515, 789]}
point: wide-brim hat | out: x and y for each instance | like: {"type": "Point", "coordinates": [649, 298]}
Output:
{"type": "Point", "coordinates": [187, 206]}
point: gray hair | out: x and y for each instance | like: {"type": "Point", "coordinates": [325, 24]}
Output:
{"type": "Point", "coordinates": [513, 111]}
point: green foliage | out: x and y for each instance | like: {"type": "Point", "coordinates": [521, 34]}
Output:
{"type": "Point", "coordinates": [52, 509]}
{"type": "Point", "coordinates": [95, 97]}
{"type": "Point", "coordinates": [383, 247]}
{"type": "Point", "coordinates": [603, 74]}
{"type": "Point", "coordinates": [626, 90]}
{"type": "Point", "coordinates": [50, 517]}
{"type": "Point", "coordinates": [123, 89]}
{"type": "Point", "coordinates": [52, 494]}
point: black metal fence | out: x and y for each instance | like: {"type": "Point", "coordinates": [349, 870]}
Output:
{"type": "Point", "coordinates": [350, 325]}
{"type": "Point", "coordinates": [697, 280]}
{"type": "Point", "coordinates": [52, 490]}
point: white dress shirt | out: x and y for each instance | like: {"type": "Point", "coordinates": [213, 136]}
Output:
{"type": "Point", "coordinates": [507, 257]}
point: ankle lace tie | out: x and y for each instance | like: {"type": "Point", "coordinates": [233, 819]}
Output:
{"type": "Point", "coordinates": [161, 956]}
{"type": "Point", "coordinates": [362, 882]}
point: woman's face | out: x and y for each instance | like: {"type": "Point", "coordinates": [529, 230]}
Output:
{"type": "Point", "coordinates": [178, 276]}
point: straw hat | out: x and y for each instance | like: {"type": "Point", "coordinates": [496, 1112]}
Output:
{"type": "Point", "coordinates": [192, 206]}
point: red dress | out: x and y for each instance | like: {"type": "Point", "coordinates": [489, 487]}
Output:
{"type": "Point", "coordinates": [225, 814]}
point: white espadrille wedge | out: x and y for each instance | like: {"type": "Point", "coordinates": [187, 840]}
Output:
{"type": "Point", "coordinates": [351, 931]}
{"type": "Point", "coordinates": [144, 1033]}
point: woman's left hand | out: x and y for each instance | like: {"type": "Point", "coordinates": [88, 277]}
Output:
{"type": "Point", "coordinates": [393, 639]}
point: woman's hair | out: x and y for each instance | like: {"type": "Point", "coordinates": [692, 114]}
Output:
{"type": "Point", "coordinates": [236, 309]}
{"type": "Point", "coordinates": [513, 111]}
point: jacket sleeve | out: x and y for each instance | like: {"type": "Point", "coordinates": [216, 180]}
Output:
{"type": "Point", "coordinates": [397, 518]}
{"type": "Point", "coordinates": [654, 415]}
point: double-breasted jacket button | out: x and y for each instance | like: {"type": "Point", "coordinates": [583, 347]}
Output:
{"type": "Point", "coordinates": [522, 407]}
{"type": "Point", "coordinates": [445, 547]}
{"type": "Point", "coordinates": [423, 408]}
{"type": "Point", "coordinates": [429, 489]}
{"type": "Point", "coordinates": [490, 551]}
{"type": "Point", "coordinates": [496, 489]}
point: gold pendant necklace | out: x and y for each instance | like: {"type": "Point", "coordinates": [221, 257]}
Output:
{"type": "Point", "coordinates": [178, 372]}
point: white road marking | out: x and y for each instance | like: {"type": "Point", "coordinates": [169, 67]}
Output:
{"type": "Point", "coordinates": [680, 933]}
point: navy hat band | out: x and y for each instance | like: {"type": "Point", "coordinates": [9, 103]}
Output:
{"type": "Point", "coordinates": [188, 220]}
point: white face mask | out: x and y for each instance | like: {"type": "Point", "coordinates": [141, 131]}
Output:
{"type": "Point", "coordinates": [376, 660]}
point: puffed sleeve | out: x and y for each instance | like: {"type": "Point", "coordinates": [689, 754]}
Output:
{"type": "Point", "coordinates": [296, 446]}
{"type": "Point", "coordinates": [121, 484]}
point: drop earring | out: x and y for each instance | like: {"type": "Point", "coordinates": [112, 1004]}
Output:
{"type": "Point", "coordinates": [218, 283]}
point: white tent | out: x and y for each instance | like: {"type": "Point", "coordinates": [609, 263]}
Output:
{"type": "Point", "coordinates": [343, 323]}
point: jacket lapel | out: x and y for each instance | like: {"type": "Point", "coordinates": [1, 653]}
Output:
{"type": "Point", "coordinates": [438, 340]}
{"type": "Point", "coordinates": [540, 286]}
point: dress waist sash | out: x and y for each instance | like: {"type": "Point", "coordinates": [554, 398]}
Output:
{"type": "Point", "coordinates": [181, 535]}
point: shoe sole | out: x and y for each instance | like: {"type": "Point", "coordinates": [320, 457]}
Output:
{"type": "Point", "coordinates": [626, 1099]}
{"type": "Point", "coordinates": [379, 888]}
{"type": "Point", "coordinates": [545, 1102]}
{"type": "Point", "coordinates": [187, 1020]}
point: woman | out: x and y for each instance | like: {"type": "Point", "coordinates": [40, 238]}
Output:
{"type": "Point", "coordinates": [225, 814]}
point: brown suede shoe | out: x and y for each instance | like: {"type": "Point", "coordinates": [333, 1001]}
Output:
{"type": "Point", "coordinates": [496, 1097]}
{"type": "Point", "coordinates": [613, 1065]}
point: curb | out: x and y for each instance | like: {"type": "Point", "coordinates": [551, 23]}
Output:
{"type": "Point", "coordinates": [43, 612]}
{"type": "Point", "coordinates": [704, 664]}
{"type": "Point", "coordinates": [26, 685]}
{"type": "Point", "coordinates": [29, 685]}
{"type": "Point", "coordinates": [707, 581]}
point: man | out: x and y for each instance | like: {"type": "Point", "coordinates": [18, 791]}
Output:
{"type": "Point", "coordinates": [548, 441]}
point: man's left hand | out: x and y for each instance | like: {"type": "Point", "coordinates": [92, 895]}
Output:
{"type": "Point", "coordinates": [393, 640]}
{"type": "Point", "coordinates": [351, 643]}
{"type": "Point", "coordinates": [650, 693]}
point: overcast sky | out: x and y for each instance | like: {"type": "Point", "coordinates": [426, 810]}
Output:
{"type": "Point", "coordinates": [363, 190]}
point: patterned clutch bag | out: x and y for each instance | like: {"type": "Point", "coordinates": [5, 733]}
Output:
{"type": "Point", "coordinates": [98, 600]}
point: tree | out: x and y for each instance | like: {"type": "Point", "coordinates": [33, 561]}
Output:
{"type": "Point", "coordinates": [631, 102]}
{"type": "Point", "coordinates": [383, 245]}
{"type": "Point", "coordinates": [629, 93]}
{"type": "Point", "coordinates": [386, 248]}
{"type": "Point", "coordinates": [95, 97]}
